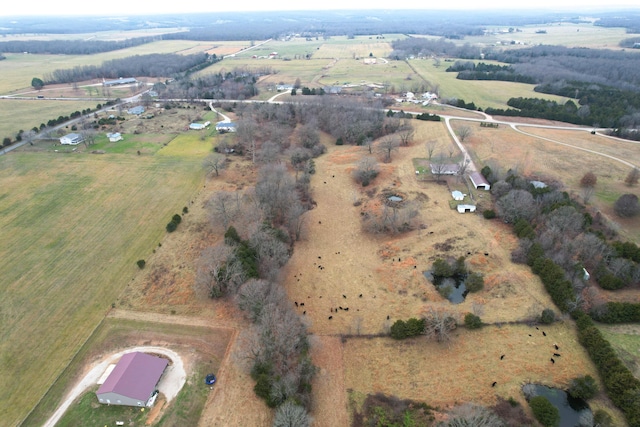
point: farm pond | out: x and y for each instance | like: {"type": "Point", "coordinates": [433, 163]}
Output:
{"type": "Point", "coordinates": [573, 412]}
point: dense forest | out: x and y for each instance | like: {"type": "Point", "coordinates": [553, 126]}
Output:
{"type": "Point", "coordinates": [469, 70]}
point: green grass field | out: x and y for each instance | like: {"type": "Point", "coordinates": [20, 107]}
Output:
{"type": "Point", "coordinates": [625, 339]}
{"type": "Point", "coordinates": [73, 227]}
{"type": "Point", "coordinates": [17, 114]}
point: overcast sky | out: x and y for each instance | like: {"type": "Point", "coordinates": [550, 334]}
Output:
{"type": "Point", "coordinates": [88, 7]}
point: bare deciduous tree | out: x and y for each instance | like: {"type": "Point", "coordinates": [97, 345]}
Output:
{"type": "Point", "coordinates": [406, 133]}
{"type": "Point", "coordinates": [470, 414]}
{"type": "Point", "coordinates": [516, 204]}
{"type": "Point", "coordinates": [431, 147]}
{"type": "Point", "coordinates": [289, 414]}
{"type": "Point", "coordinates": [218, 271]}
{"type": "Point", "coordinates": [366, 170]}
{"type": "Point", "coordinates": [214, 163]}
{"type": "Point", "coordinates": [439, 324]}
{"type": "Point", "coordinates": [275, 191]}
{"type": "Point", "coordinates": [386, 145]}
{"type": "Point", "coordinates": [224, 206]}
{"type": "Point", "coordinates": [272, 253]}
{"type": "Point", "coordinates": [464, 132]}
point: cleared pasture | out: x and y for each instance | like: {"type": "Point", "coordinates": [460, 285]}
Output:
{"type": "Point", "coordinates": [557, 33]}
{"type": "Point", "coordinates": [18, 69]}
{"type": "Point", "coordinates": [483, 93]}
{"type": "Point", "coordinates": [73, 226]}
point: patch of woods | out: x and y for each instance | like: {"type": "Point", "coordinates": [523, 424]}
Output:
{"type": "Point", "coordinates": [383, 410]}
{"type": "Point", "coordinates": [469, 70]}
{"type": "Point", "coordinates": [561, 240]}
{"type": "Point", "coordinates": [261, 224]}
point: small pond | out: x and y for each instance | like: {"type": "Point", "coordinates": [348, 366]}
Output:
{"type": "Point", "coordinates": [453, 290]}
{"type": "Point", "coordinates": [394, 198]}
{"type": "Point", "coordinates": [571, 410]}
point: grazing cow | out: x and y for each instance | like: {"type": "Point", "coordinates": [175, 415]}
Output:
{"type": "Point", "coordinates": [360, 295]}
{"type": "Point", "coordinates": [296, 303]}
{"type": "Point", "coordinates": [344, 296]}
{"type": "Point", "coordinates": [387, 317]}
{"type": "Point", "coordinates": [556, 354]}
{"type": "Point", "coordinates": [553, 361]}
{"type": "Point", "coordinates": [502, 357]}
{"type": "Point", "coordinates": [530, 335]}
{"type": "Point", "coordinates": [319, 257]}
{"type": "Point", "coordinates": [494, 384]}
{"type": "Point", "coordinates": [301, 304]}
{"type": "Point", "coordinates": [537, 328]}
{"type": "Point", "coordinates": [556, 346]}
{"type": "Point", "coordinates": [543, 333]}
{"type": "Point", "coordinates": [304, 313]}
{"type": "Point", "coordinates": [346, 309]}
{"type": "Point", "coordinates": [340, 308]}
{"type": "Point", "coordinates": [330, 317]}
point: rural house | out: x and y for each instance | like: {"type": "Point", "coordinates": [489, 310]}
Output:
{"type": "Point", "coordinates": [133, 380]}
{"type": "Point", "coordinates": [225, 127]}
{"type": "Point", "coordinates": [71, 139]}
{"type": "Point", "coordinates": [136, 110]}
{"type": "Point", "coordinates": [445, 168]}
{"type": "Point", "coordinates": [479, 181]}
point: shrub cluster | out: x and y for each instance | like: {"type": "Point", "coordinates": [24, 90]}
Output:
{"type": "Point", "coordinates": [472, 321]}
{"type": "Point", "coordinates": [173, 224]}
{"type": "Point", "coordinates": [411, 328]}
{"type": "Point", "coordinates": [544, 411]}
{"type": "Point", "coordinates": [622, 387]}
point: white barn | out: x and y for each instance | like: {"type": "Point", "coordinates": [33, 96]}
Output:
{"type": "Point", "coordinates": [479, 181]}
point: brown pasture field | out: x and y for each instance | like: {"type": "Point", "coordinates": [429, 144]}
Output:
{"type": "Point", "coordinates": [381, 268]}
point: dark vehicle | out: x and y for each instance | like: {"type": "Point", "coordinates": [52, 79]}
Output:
{"type": "Point", "coordinates": [210, 379]}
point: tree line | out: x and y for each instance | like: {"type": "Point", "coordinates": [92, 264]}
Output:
{"type": "Point", "coordinates": [151, 65]}
{"type": "Point", "coordinates": [72, 47]}
{"type": "Point", "coordinates": [468, 70]}
{"type": "Point", "coordinates": [426, 48]}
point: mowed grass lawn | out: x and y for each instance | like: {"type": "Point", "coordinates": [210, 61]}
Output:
{"type": "Point", "coordinates": [73, 227]}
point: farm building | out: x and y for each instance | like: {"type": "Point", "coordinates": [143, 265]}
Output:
{"type": "Point", "coordinates": [199, 126]}
{"type": "Point", "coordinates": [225, 127]}
{"type": "Point", "coordinates": [120, 81]}
{"type": "Point", "coordinates": [71, 139]}
{"type": "Point", "coordinates": [114, 137]}
{"type": "Point", "coordinates": [445, 168]}
{"type": "Point", "coordinates": [133, 380]}
{"type": "Point", "coordinates": [466, 208]}
{"type": "Point", "coordinates": [136, 110]}
{"type": "Point", "coordinates": [479, 181]}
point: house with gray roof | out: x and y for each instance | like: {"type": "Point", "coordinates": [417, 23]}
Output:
{"type": "Point", "coordinates": [72, 139]}
{"type": "Point", "coordinates": [136, 110]}
{"type": "Point", "coordinates": [133, 380]}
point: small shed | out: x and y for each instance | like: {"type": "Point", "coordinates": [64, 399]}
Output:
{"type": "Point", "coordinates": [479, 181]}
{"type": "Point", "coordinates": [72, 139]}
{"type": "Point", "coordinates": [466, 208]}
{"type": "Point", "coordinates": [133, 381]}
{"type": "Point", "coordinates": [199, 126]}
{"type": "Point", "coordinates": [114, 137]}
